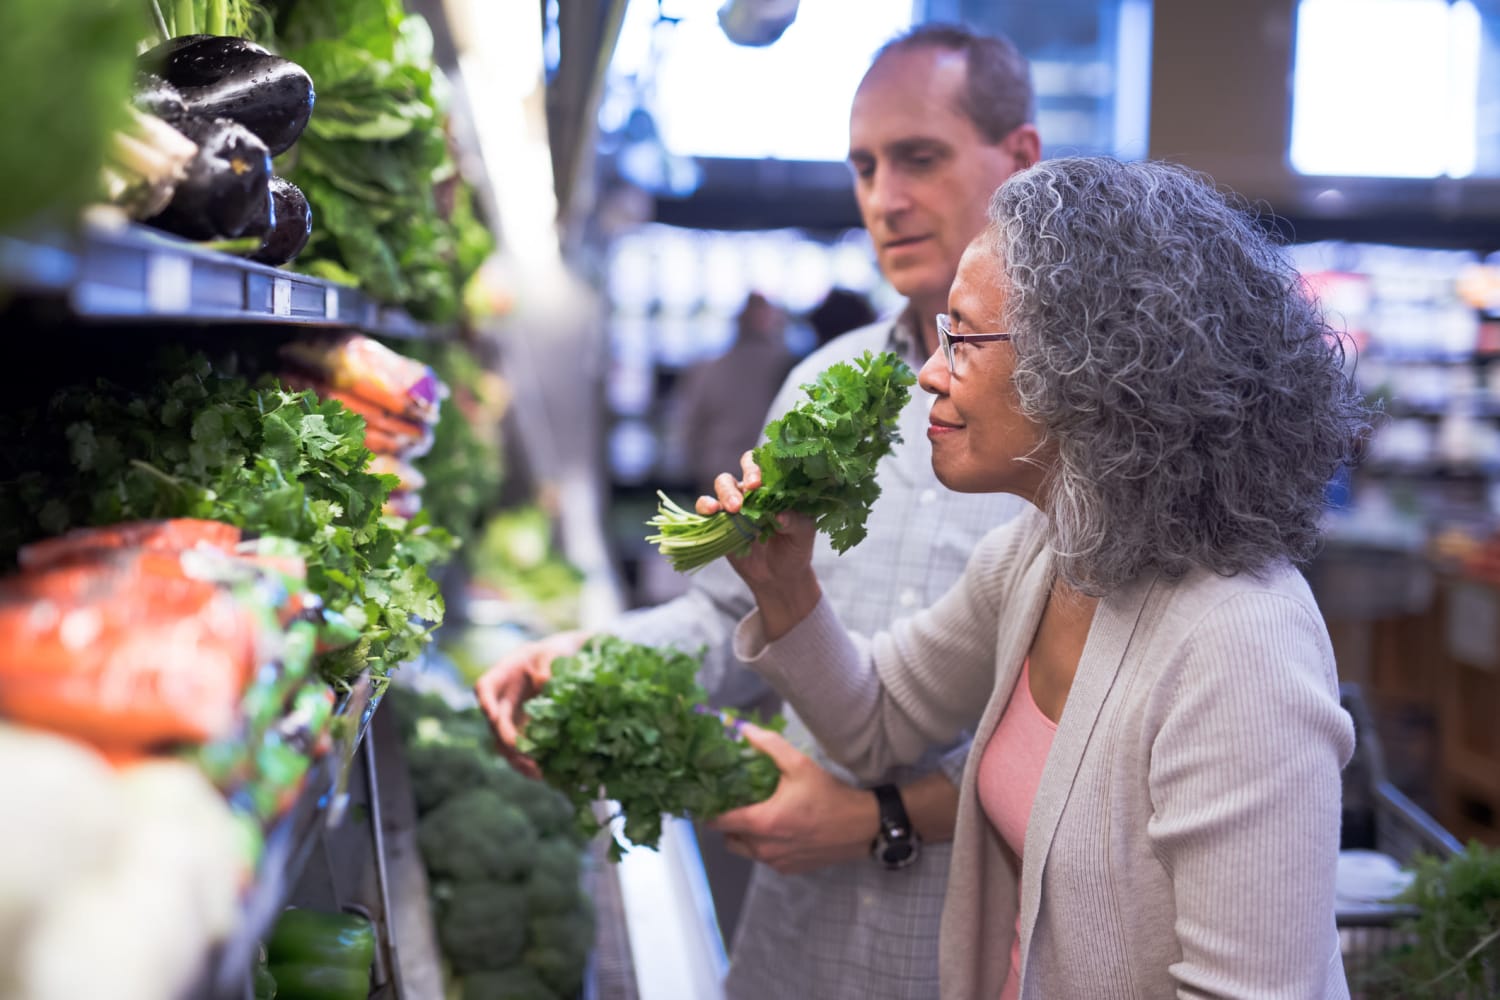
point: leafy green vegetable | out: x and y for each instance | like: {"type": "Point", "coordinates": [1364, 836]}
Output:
{"type": "Point", "coordinates": [1452, 947]}
{"type": "Point", "coordinates": [625, 721]}
{"type": "Point", "coordinates": [72, 62]}
{"type": "Point", "coordinates": [516, 556]}
{"type": "Point", "coordinates": [374, 162]}
{"type": "Point", "coordinates": [197, 443]}
{"type": "Point", "coordinates": [819, 459]}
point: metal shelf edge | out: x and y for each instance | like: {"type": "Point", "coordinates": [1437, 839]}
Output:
{"type": "Point", "coordinates": [136, 273]}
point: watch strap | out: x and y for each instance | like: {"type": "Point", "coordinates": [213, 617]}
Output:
{"type": "Point", "coordinates": [896, 844]}
{"type": "Point", "coordinates": [894, 822]}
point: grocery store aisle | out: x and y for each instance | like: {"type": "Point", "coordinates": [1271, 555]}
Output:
{"type": "Point", "coordinates": [553, 356]}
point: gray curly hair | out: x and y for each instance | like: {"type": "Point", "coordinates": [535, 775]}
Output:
{"type": "Point", "coordinates": [1195, 396]}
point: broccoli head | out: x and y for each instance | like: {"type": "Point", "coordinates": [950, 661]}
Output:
{"type": "Point", "coordinates": [517, 983]}
{"type": "Point", "coordinates": [476, 836]}
{"type": "Point", "coordinates": [548, 809]}
{"type": "Point", "coordinates": [482, 925]}
{"type": "Point", "coordinates": [407, 706]}
{"type": "Point", "coordinates": [553, 887]}
{"type": "Point", "coordinates": [441, 770]}
{"type": "Point", "coordinates": [557, 948]}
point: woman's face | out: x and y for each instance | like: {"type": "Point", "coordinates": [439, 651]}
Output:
{"type": "Point", "coordinates": [979, 437]}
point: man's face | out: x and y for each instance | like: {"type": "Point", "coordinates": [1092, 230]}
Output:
{"type": "Point", "coordinates": [923, 174]}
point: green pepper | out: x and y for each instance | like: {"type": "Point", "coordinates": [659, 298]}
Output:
{"type": "Point", "coordinates": [265, 984]}
{"type": "Point", "coordinates": [313, 938]}
{"type": "Point", "coordinates": [305, 981]}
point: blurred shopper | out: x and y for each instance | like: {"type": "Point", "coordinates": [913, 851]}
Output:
{"type": "Point", "coordinates": [840, 311]}
{"type": "Point", "coordinates": [719, 407]}
{"type": "Point", "coordinates": [1152, 804]}
{"type": "Point", "coordinates": [846, 901]}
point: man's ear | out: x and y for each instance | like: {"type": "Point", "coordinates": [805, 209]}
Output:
{"type": "Point", "coordinates": [1024, 144]}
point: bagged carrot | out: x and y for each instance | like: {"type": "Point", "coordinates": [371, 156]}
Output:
{"type": "Point", "coordinates": [373, 372]}
{"type": "Point", "coordinates": [173, 534]}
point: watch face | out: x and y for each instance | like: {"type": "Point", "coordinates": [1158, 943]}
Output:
{"type": "Point", "coordinates": [898, 854]}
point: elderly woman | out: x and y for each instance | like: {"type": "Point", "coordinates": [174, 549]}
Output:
{"type": "Point", "coordinates": [1151, 807]}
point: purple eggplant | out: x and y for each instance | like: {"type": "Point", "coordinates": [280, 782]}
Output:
{"type": "Point", "coordinates": [291, 227]}
{"type": "Point", "coordinates": [156, 96]}
{"type": "Point", "coordinates": [222, 77]}
{"type": "Point", "coordinates": [226, 192]}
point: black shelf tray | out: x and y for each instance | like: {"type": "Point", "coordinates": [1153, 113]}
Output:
{"type": "Point", "coordinates": [132, 273]}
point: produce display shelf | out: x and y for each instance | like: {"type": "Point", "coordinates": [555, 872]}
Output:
{"type": "Point", "coordinates": [133, 273]}
{"type": "Point", "coordinates": [289, 844]}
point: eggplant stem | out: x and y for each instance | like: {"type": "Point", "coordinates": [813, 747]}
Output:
{"type": "Point", "coordinates": [242, 245]}
{"type": "Point", "coordinates": [161, 21]}
{"type": "Point", "coordinates": [187, 23]}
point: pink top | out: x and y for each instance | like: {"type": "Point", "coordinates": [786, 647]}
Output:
{"type": "Point", "coordinates": [1010, 769]}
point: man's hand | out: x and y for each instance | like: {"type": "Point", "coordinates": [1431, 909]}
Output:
{"type": "Point", "coordinates": [811, 820]}
{"type": "Point", "coordinates": [505, 688]}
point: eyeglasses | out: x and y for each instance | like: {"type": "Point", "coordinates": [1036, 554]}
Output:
{"type": "Point", "coordinates": [947, 338]}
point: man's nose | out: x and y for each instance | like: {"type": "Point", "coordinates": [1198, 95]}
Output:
{"type": "Point", "coordinates": [888, 193]}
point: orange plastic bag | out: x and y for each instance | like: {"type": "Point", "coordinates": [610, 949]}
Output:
{"type": "Point", "coordinates": [93, 673]}
{"type": "Point", "coordinates": [169, 535]}
{"type": "Point", "coordinates": [369, 370]}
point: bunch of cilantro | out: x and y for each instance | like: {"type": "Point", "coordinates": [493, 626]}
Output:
{"type": "Point", "coordinates": [626, 722]}
{"type": "Point", "coordinates": [198, 443]}
{"type": "Point", "coordinates": [819, 459]}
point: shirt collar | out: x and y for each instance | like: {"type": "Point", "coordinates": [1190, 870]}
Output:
{"type": "Point", "coordinates": [906, 335]}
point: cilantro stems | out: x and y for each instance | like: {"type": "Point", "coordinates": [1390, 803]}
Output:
{"type": "Point", "coordinates": [692, 540]}
{"type": "Point", "coordinates": [819, 458]}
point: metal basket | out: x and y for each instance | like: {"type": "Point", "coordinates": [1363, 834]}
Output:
{"type": "Point", "coordinates": [1378, 817]}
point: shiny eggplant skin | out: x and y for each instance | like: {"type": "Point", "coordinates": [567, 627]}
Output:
{"type": "Point", "coordinates": [226, 193]}
{"type": "Point", "coordinates": [221, 77]}
{"type": "Point", "coordinates": [293, 224]}
{"type": "Point", "coordinates": [155, 96]}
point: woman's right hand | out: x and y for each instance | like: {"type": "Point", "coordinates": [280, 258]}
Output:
{"type": "Point", "coordinates": [505, 688]}
{"type": "Point", "coordinates": [779, 570]}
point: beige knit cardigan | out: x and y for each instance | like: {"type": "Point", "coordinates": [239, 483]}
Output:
{"type": "Point", "coordinates": [1184, 837]}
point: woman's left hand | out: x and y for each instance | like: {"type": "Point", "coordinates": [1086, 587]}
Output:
{"type": "Point", "coordinates": [811, 820]}
{"type": "Point", "coordinates": [779, 570]}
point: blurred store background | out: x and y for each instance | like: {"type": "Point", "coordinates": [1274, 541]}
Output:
{"type": "Point", "coordinates": [568, 210]}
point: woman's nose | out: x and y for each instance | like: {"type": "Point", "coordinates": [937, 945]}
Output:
{"type": "Point", "coordinates": [934, 374]}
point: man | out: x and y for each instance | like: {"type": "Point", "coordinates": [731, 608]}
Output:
{"type": "Point", "coordinates": [941, 118]}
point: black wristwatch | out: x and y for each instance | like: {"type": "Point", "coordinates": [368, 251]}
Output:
{"type": "Point", "coordinates": [897, 844]}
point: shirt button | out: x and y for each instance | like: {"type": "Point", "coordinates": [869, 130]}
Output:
{"type": "Point", "coordinates": [908, 598]}
{"type": "Point", "coordinates": [928, 497]}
